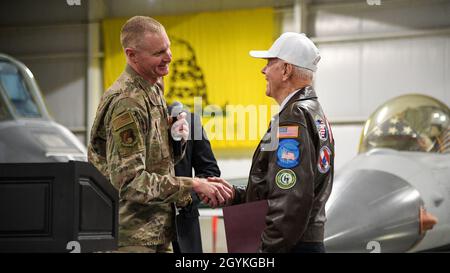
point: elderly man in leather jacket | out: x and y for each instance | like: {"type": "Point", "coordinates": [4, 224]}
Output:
{"type": "Point", "coordinates": [292, 166]}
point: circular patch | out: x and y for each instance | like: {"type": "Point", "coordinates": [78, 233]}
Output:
{"type": "Point", "coordinates": [288, 153]}
{"type": "Point", "coordinates": [285, 179]}
{"type": "Point", "coordinates": [321, 128]}
{"type": "Point", "coordinates": [324, 160]}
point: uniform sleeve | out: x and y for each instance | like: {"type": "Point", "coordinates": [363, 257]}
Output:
{"type": "Point", "coordinates": [126, 159]}
{"type": "Point", "coordinates": [290, 177]}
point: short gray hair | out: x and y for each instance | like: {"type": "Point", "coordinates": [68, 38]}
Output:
{"type": "Point", "coordinates": [303, 73]}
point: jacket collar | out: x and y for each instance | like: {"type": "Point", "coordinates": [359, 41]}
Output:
{"type": "Point", "coordinates": [135, 77]}
{"type": "Point", "coordinates": [305, 93]}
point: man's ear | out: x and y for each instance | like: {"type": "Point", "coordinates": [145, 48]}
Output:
{"type": "Point", "coordinates": [287, 71]}
{"type": "Point", "coordinates": [131, 54]}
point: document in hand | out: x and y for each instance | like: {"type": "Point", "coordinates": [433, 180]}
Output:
{"type": "Point", "coordinates": [244, 225]}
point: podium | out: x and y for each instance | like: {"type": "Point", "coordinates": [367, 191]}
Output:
{"type": "Point", "coordinates": [56, 207]}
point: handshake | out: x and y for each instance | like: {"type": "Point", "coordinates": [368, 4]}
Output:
{"type": "Point", "coordinates": [214, 191]}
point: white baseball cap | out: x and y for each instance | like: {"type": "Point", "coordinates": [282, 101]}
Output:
{"type": "Point", "coordinates": [294, 48]}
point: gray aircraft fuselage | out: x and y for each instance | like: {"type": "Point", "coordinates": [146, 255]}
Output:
{"type": "Point", "coordinates": [27, 132]}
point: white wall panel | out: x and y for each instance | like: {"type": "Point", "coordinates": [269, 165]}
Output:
{"type": "Point", "coordinates": [347, 143]}
{"type": "Point", "coordinates": [386, 72]}
{"type": "Point", "coordinates": [391, 16]}
{"type": "Point", "coordinates": [428, 66]}
{"type": "Point", "coordinates": [338, 80]}
{"type": "Point", "coordinates": [406, 17]}
{"type": "Point", "coordinates": [357, 76]}
{"type": "Point", "coordinates": [327, 23]}
{"type": "Point", "coordinates": [397, 67]}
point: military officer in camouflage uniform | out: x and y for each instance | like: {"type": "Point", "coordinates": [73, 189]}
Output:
{"type": "Point", "coordinates": [130, 144]}
{"type": "Point", "coordinates": [293, 165]}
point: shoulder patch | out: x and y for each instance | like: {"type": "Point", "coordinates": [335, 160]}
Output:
{"type": "Point", "coordinates": [288, 131]}
{"type": "Point", "coordinates": [324, 160]}
{"type": "Point", "coordinates": [285, 179]}
{"type": "Point", "coordinates": [288, 153]}
{"type": "Point", "coordinates": [322, 128]}
{"type": "Point", "coordinates": [128, 137]}
{"type": "Point", "coordinates": [122, 120]}
{"type": "Point", "coordinates": [128, 140]}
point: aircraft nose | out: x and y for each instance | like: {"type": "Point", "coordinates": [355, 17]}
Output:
{"type": "Point", "coordinates": [370, 207]}
{"type": "Point", "coordinates": [427, 220]}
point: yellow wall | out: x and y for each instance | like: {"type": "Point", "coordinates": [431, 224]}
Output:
{"type": "Point", "coordinates": [220, 42]}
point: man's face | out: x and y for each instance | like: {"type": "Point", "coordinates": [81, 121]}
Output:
{"type": "Point", "coordinates": [273, 72]}
{"type": "Point", "coordinates": [153, 56]}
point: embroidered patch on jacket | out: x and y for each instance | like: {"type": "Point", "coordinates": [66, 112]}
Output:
{"type": "Point", "coordinates": [288, 132]}
{"type": "Point", "coordinates": [321, 128]}
{"type": "Point", "coordinates": [324, 160]}
{"type": "Point", "coordinates": [128, 137]}
{"type": "Point", "coordinates": [285, 179]}
{"type": "Point", "coordinates": [122, 120]}
{"type": "Point", "coordinates": [288, 153]}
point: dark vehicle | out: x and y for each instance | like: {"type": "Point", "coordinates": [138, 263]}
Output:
{"type": "Point", "coordinates": [27, 132]}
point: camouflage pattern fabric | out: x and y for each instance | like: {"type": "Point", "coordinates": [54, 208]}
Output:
{"type": "Point", "coordinates": [130, 145]}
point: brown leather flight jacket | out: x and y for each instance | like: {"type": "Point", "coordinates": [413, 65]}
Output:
{"type": "Point", "coordinates": [294, 173]}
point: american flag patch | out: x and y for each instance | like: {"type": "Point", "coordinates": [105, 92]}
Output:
{"type": "Point", "coordinates": [288, 131]}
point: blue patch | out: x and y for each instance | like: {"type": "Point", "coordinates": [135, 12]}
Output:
{"type": "Point", "coordinates": [288, 153]}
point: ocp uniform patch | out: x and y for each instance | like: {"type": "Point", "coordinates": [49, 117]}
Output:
{"type": "Point", "coordinates": [126, 134]}
{"type": "Point", "coordinates": [122, 120]}
{"type": "Point", "coordinates": [128, 137]}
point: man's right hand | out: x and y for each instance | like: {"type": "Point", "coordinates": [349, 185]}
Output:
{"type": "Point", "coordinates": [217, 193]}
{"type": "Point", "coordinates": [223, 182]}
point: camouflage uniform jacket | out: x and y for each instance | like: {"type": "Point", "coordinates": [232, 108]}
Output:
{"type": "Point", "coordinates": [129, 144]}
